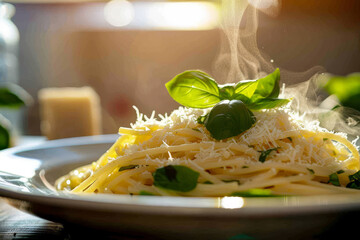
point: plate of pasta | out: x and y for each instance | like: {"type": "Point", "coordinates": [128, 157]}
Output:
{"type": "Point", "coordinates": [235, 161]}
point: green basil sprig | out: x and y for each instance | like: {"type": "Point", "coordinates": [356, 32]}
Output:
{"type": "Point", "coordinates": [264, 154]}
{"type": "Point", "coordinates": [176, 177]}
{"type": "Point", "coordinates": [254, 192]}
{"type": "Point", "coordinates": [231, 103]}
{"type": "Point", "coordinates": [354, 181]}
{"type": "Point", "coordinates": [228, 118]}
{"type": "Point", "coordinates": [334, 178]}
{"type": "Point", "coordinates": [196, 89]}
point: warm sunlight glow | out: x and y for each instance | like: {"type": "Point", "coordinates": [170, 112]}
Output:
{"type": "Point", "coordinates": [183, 15]}
{"type": "Point", "coordinates": [264, 4]}
{"type": "Point", "coordinates": [119, 13]}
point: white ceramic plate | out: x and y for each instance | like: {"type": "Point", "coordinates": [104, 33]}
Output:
{"type": "Point", "coordinates": [25, 171]}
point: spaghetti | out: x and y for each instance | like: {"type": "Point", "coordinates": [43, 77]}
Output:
{"type": "Point", "coordinates": [281, 153]}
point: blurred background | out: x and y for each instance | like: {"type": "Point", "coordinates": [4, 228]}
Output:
{"type": "Point", "coordinates": [127, 50]}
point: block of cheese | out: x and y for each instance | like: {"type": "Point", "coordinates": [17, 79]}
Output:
{"type": "Point", "coordinates": [69, 112]}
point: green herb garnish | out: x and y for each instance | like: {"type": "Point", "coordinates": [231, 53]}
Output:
{"type": "Point", "coordinates": [346, 89]}
{"type": "Point", "coordinates": [194, 89]}
{"type": "Point", "coordinates": [4, 133]}
{"type": "Point", "coordinates": [354, 181]}
{"type": "Point", "coordinates": [229, 118]}
{"type": "Point", "coordinates": [176, 177]}
{"type": "Point", "coordinates": [311, 170]}
{"type": "Point", "coordinates": [208, 182]}
{"type": "Point", "coordinates": [256, 192]}
{"type": "Point", "coordinates": [264, 154]}
{"type": "Point", "coordinates": [146, 193]}
{"type": "Point", "coordinates": [334, 179]}
{"type": "Point", "coordinates": [231, 180]}
{"type": "Point", "coordinates": [127, 167]}
{"type": "Point", "coordinates": [231, 104]}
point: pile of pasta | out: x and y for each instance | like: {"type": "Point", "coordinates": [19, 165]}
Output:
{"type": "Point", "coordinates": [281, 152]}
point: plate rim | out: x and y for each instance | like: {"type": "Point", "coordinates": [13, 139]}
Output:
{"type": "Point", "coordinates": [290, 205]}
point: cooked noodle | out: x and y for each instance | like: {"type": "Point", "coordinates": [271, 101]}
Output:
{"type": "Point", "coordinates": [304, 157]}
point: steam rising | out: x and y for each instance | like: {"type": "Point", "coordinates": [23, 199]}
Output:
{"type": "Point", "coordinates": [241, 59]}
{"type": "Point", "coordinates": [313, 103]}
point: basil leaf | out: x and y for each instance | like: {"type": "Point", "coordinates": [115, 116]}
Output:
{"type": "Point", "coordinates": [354, 181]}
{"type": "Point", "coordinates": [176, 177]}
{"type": "Point", "coordinates": [229, 118]}
{"type": "Point", "coordinates": [194, 89]}
{"type": "Point", "coordinates": [10, 99]}
{"type": "Point", "coordinates": [241, 97]}
{"type": "Point", "coordinates": [231, 180]}
{"type": "Point", "coordinates": [267, 103]}
{"type": "Point", "coordinates": [4, 134]}
{"type": "Point", "coordinates": [226, 92]}
{"type": "Point", "coordinates": [346, 89]}
{"type": "Point", "coordinates": [127, 167]}
{"type": "Point", "coordinates": [246, 88]}
{"type": "Point", "coordinates": [261, 93]}
{"type": "Point", "coordinates": [334, 179]}
{"type": "Point", "coordinates": [146, 193]}
{"type": "Point", "coordinates": [311, 170]}
{"type": "Point", "coordinates": [265, 153]}
{"type": "Point", "coordinates": [208, 182]}
{"type": "Point", "coordinates": [267, 87]}
{"type": "Point", "coordinates": [355, 176]}
{"type": "Point", "coordinates": [255, 192]}
{"type": "Point", "coordinates": [201, 119]}
{"type": "Point", "coordinates": [354, 184]}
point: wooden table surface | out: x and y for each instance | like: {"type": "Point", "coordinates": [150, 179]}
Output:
{"type": "Point", "coordinates": [16, 224]}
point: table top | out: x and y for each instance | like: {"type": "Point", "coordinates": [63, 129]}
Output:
{"type": "Point", "coordinates": [16, 224]}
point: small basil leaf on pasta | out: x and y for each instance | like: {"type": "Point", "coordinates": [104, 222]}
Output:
{"type": "Point", "coordinates": [146, 193]}
{"type": "Point", "coordinates": [311, 170]}
{"type": "Point", "coordinates": [231, 180]}
{"type": "Point", "coordinates": [127, 167]}
{"type": "Point", "coordinates": [176, 177]}
{"type": "Point", "coordinates": [334, 179]}
{"type": "Point", "coordinates": [255, 192]}
{"type": "Point", "coordinates": [354, 181]}
{"type": "Point", "coordinates": [264, 154]}
{"type": "Point", "coordinates": [208, 182]}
